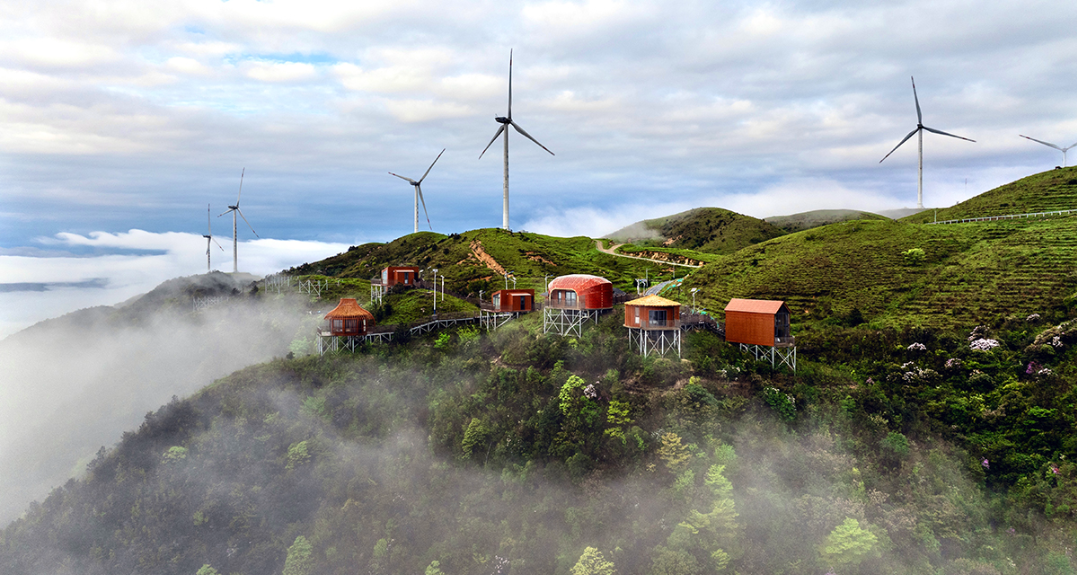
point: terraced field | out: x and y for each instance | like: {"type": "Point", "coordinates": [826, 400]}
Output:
{"type": "Point", "coordinates": [970, 273]}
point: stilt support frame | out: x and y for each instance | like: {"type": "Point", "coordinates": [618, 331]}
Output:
{"type": "Point", "coordinates": [778, 356]}
{"type": "Point", "coordinates": [567, 321]}
{"type": "Point", "coordinates": [655, 341]}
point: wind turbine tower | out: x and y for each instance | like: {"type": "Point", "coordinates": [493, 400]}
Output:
{"type": "Point", "coordinates": [920, 127]}
{"type": "Point", "coordinates": [505, 123]}
{"type": "Point", "coordinates": [235, 234]}
{"type": "Point", "coordinates": [209, 238]}
{"type": "Point", "coordinates": [419, 192]}
{"type": "Point", "coordinates": [1063, 150]}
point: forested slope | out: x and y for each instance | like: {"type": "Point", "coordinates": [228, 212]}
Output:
{"type": "Point", "coordinates": [515, 452]}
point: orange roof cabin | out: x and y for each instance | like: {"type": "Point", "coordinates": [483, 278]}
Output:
{"type": "Point", "coordinates": [349, 319]}
{"type": "Point", "coordinates": [653, 312]}
{"type": "Point", "coordinates": [581, 292]}
{"type": "Point", "coordinates": [574, 299]}
{"type": "Point", "coordinates": [654, 325]}
{"type": "Point", "coordinates": [405, 275]}
{"type": "Point", "coordinates": [756, 324]}
{"type": "Point", "coordinates": [513, 300]}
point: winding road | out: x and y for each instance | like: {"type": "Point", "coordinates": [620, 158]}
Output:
{"type": "Point", "coordinates": [612, 250]}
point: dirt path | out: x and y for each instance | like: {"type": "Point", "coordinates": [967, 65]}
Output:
{"type": "Point", "coordinates": [612, 250]}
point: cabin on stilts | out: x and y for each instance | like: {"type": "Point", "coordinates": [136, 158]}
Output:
{"type": "Point", "coordinates": [391, 276]}
{"type": "Point", "coordinates": [654, 325]}
{"type": "Point", "coordinates": [505, 305]}
{"type": "Point", "coordinates": [349, 325]}
{"type": "Point", "coordinates": [762, 328]}
{"type": "Point", "coordinates": [574, 299]}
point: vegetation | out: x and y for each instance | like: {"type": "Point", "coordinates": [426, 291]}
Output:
{"type": "Point", "coordinates": [710, 230]}
{"type": "Point", "coordinates": [1046, 191]}
{"type": "Point", "coordinates": [889, 452]}
{"type": "Point", "coordinates": [816, 218]}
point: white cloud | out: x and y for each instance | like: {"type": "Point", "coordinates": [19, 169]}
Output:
{"type": "Point", "coordinates": [125, 275]}
{"type": "Point", "coordinates": [280, 71]}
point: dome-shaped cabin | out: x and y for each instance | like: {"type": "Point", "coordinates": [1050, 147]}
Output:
{"type": "Point", "coordinates": [349, 319]}
{"type": "Point", "coordinates": [580, 292]}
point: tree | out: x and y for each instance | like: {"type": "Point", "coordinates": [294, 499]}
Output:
{"type": "Point", "coordinates": [300, 560]}
{"type": "Point", "coordinates": [848, 544]}
{"type": "Point", "coordinates": [673, 452]}
{"type": "Point", "coordinates": [207, 570]}
{"type": "Point", "coordinates": [593, 563]}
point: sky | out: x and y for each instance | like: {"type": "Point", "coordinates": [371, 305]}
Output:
{"type": "Point", "coordinates": [123, 120]}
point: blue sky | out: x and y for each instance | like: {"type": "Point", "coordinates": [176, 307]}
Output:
{"type": "Point", "coordinates": [127, 115]}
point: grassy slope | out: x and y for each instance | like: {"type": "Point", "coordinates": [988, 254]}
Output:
{"type": "Point", "coordinates": [1046, 191]}
{"type": "Point", "coordinates": [971, 271]}
{"type": "Point", "coordinates": [814, 219]}
{"type": "Point", "coordinates": [712, 230]}
{"type": "Point", "coordinates": [529, 256]}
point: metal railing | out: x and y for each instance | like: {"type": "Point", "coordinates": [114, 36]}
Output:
{"type": "Point", "coordinates": [1006, 217]}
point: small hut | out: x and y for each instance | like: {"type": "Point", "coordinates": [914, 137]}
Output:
{"type": "Point", "coordinates": [574, 299]}
{"type": "Point", "coordinates": [391, 276]}
{"type": "Point", "coordinates": [348, 325]}
{"type": "Point", "coordinates": [761, 327]}
{"type": "Point", "coordinates": [654, 325]}
{"type": "Point", "coordinates": [505, 305]}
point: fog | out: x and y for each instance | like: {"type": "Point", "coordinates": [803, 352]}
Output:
{"type": "Point", "coordinates": [73, 384]}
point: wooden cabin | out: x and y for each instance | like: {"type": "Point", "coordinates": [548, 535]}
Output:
{"type": "Point", "coordinates": [653, 312]}
{"type": "Point", "coordinates": [513, 300]}
{"type": "Point", "coordinates": [758, 322]}
{"type": "Point", "coordinates": [580, 292]}
{"type": "Point", "coordinates": [349, 319]}
{"type": "Point", "coordinates": [404, 275]}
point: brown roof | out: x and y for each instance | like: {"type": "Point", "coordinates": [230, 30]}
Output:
{"type": "Point", "coordinates": [754, 305]}
{"type": "Point", "coordinates": [653, 301]}
{"type": "Point", "coordinates": [348, 308]}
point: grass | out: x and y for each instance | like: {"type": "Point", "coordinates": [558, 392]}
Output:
{"type": "Point", "coordinates": [971, 272]}
{"type": "Point", "coordinates": [814, 219]}
{"type": "Point", "coordinates": [1046, 191]}
{"type": "Point", "coordinates": [711, 230]}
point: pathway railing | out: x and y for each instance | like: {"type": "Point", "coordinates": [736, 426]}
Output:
{"type": "Point", "coordinates": [1007, 217]}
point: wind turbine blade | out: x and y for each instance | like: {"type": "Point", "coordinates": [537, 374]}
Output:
{"type": "Point", "coordinates": [209, 227]}
{"type": "Point", "coordinates": [510, 84]}
{"type": "Point", "coordinates": [248, 223]}
{"type": "Point", "coordinates": [934, 131]}
{"type": "Point", "coordinates": [1070, 146]}
{"type": "Point", "coordinates": [431, 167]}
{"type": "Point", "coordinates": [420, 190]}
{"type": "Point", "coordinates": [240, 185]}
{"type": "Point", "coordinates": [528, 136]}
{"type": "Point", "coordinates": [225, 214]}
{"type": "Point", "coordinates": [218, 245]}
{"type": "Point", "coordinates": [919, 116]}
{"type": "Point", "coordinates": [499, 130]}
{"type": "Point", "coordinates": [1045, 143]}
{"type": "Point", "coordinates": [408, 180]}
{"type": "Point", "coordinates": [906, 139]}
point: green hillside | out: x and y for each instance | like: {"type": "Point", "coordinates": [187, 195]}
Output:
{"type": "Point", "coordinates": [711, 230]}
{"type": "Point", "coordinates": [813, 219]}
{"type": "Point", "coordinates": [968, 273]}
{"type": "Point", "coordinates": [1043, 192]}
{"type": "Point", "coordinates": [476, 260]}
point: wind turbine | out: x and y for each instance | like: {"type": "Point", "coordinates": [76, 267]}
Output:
{"type": "Point", "coordinates": [505, 123]}
{"type": "Point", "coordinates": [419, 193]}
{"type": "Point", "coordinates": [1063, 150]}
{"type": "Point", "coordinates": [235, 210]}
{"type": "Point", "coordinates": [920, 127]}
{"type": "Point", "coordinates": [209, 238]}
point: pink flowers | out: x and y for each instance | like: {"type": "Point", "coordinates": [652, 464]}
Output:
{"type": "Point", "coordinates": [983, 344]}
{"type": "Point", "coordinates": [986, 464]}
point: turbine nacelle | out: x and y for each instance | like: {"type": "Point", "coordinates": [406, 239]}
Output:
{"type": "Point", "coordinates": [503, 120]}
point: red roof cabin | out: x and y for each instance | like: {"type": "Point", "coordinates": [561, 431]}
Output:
{"type": "Point", "coordinates": [758, 322]}
{"type": "Point", "coordinates": [405, 275]}
{"type": "Point", "coordinates": [349, 319]}
{"type": "Point", "coordinates": [513, 300]}
{"type": "Point", "coordinates": [580, 292]}
{"type": "Point", "coordinates": [653, 312]}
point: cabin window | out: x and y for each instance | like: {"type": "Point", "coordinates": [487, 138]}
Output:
{"type": "Point", "coordinates": [385, 276]}
{"type": "Point", "coordinates": [497, 301]}
{"type": "Point", "coordinates": [338, 324]}
{"type": "Point", "coordinates": [351, 325]}
{"type": "Point", "coordinates": [657, 317]}
{"type": "Point", "coordinates": [523, 303]}
{"type": "Point", "coordinates": [637, 313]}
{"type": "Point", "coordinates": [570, 298]}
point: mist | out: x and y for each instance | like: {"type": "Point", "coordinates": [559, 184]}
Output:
{"type": "Point", "coordinates": [73, 384]}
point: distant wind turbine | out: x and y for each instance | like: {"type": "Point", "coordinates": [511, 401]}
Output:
{"type": "Point", "coordinates": [505, 123]}
{"type": "Point", "coordinates": [920, 127]}
{"type": "Point", "coordinates": [1063, 150]}
{"type": "Point", "coordinates": [209, 238]}
{"type": "Point", "coordinates": [419, 193]}
{"type": "Point", "coordinates": [235, 234]}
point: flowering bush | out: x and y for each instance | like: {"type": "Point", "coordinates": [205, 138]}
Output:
{"type": "Point", "coordinates": [1034, 318]}
{"type": "Point", "coordinates": [1045, 372]}
{"type": "Point", "coordinates": [917, 347]}
{"type": "Point", "coordinates": [1056, 342]}
{"type": "Point", "coordinates": [978, 332]}
{"type": "Point", "coordinates": [1033, 367]}
{"type": "Point", "coordinates": [983, 344]}
{"type": "Point", "coordinates": [954, 363]}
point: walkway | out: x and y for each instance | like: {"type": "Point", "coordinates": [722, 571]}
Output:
{"type": "Point", "coordinates": [613, 252]}
{"type": "Point", "coordinates": [1006, 217]}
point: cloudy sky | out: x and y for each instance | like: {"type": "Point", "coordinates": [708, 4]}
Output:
{"type": "Point", "coordinates": [122, 120]}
